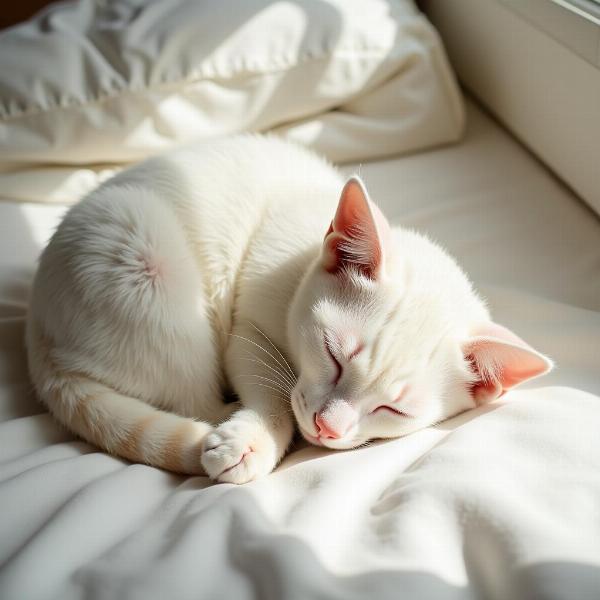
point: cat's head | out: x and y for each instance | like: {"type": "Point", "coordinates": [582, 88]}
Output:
{"type": "Point", "coordinates": [388, 335]}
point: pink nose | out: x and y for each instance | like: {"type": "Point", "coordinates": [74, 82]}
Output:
{"type": "Point", "coordinates": [335, 419]}
{"type": "Point", "coordinates": [325, 429]}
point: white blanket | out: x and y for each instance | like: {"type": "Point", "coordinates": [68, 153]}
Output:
{"type": "Point", "coordinates": [501, 503]}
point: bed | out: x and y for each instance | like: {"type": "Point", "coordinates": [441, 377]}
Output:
{"type": "Point", "coordinates": [500, 502]}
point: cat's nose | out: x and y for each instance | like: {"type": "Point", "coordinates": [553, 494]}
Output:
{"type": "Point", "coordinates": [324, 429]}
{"type": "Point", "coordinates": [335, 419]}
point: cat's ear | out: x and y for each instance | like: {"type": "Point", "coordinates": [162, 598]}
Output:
{"type": "Point", "coordinates": [501, 360]}
{"type": "Point", "coordinates": [358, 235]}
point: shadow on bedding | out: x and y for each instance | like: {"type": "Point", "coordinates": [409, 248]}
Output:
{"type": "Point", "coordinates": [18, 258]}
{"type": "Point", "coordinates": [17, 267]}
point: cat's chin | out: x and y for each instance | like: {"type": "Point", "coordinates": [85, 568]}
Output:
{"type": "Point", "coordinates": [331, 444]}
{"type": "Point", "coordinates": [311, 438]}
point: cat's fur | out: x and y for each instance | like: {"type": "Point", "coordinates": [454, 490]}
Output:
{"type": "Point", "coordinates": [216, 267]}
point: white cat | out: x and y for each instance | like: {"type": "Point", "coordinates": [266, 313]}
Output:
{"type": "Point", "coordinates": [219, 267]}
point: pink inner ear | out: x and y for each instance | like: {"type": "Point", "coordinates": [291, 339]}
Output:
{"type": "Point", "coordinates": [502, 360]}
{"type": "Point", "coordinates": [358, 234]}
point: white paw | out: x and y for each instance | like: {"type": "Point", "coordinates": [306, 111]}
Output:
{"type": "Point", "coordinates": [239, 451]}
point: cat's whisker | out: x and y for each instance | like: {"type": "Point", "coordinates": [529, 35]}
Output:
{"type": "Point", "coordinates": [276, 371]}
{"type": "Point", "coordinates": [281, 373]}
{"type": "Point", "coordinates": [290, 370]}
{"type": "Point", "coordinates": [280, 395]}
{"type": "Point", "coordinates": [241, 337]}
{"type": "Point", "coordinates": [280, 386]}
{"type": "Point", "coordinates": [255, 358]}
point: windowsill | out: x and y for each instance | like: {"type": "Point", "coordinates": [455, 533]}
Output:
{"type": "Point", "coordinates": [541, 89]}
{"type": "Point", "coordinates": [573, 23]}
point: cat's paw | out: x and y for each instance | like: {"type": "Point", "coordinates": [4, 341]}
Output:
{"type": "Point", "coordinates": [239, 451]}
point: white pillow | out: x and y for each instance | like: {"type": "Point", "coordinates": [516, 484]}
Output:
{"type": "Point", "coordinates": [96, 82]}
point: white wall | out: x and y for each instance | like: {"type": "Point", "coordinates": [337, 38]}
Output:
{"type": "Point", "coordinates": [546, 93]}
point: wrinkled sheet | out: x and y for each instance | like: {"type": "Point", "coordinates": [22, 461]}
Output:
{"type": "Point", "coordinates": [501, 502]}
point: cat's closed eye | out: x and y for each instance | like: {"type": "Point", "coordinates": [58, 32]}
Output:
{"type": "Point", "coordinates": [347, 356]}
{"type": "Point", "coordinates": [390, 409]}
{"type": "Point", "coordinates": [338, 367]}
{"type": "Point", "coordinates": [393, 407]}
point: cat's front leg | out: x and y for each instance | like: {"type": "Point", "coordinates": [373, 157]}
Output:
{"type": "Point", "coordinates": [249, 444]}
{"type": "Point", "coordinates": [255, 438]}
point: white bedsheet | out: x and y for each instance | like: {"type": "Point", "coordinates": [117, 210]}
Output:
{"type": "Point", "coordinates": [502, 502]}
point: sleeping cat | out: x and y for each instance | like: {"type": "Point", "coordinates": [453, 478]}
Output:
{"type": "Point", "coordinates": [248, 264]}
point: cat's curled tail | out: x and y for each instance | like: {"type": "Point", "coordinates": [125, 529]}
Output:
{"type": "Point", "coordinates": [119, 424]}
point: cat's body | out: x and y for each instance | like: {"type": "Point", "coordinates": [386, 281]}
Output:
{"type": "Point", "coordinates": [162, 287]}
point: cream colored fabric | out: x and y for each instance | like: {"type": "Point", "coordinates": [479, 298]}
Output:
{"type": "Point", "coordinates": [89, 83]}
{"type": "Point", "coordinates": [499, 503]}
